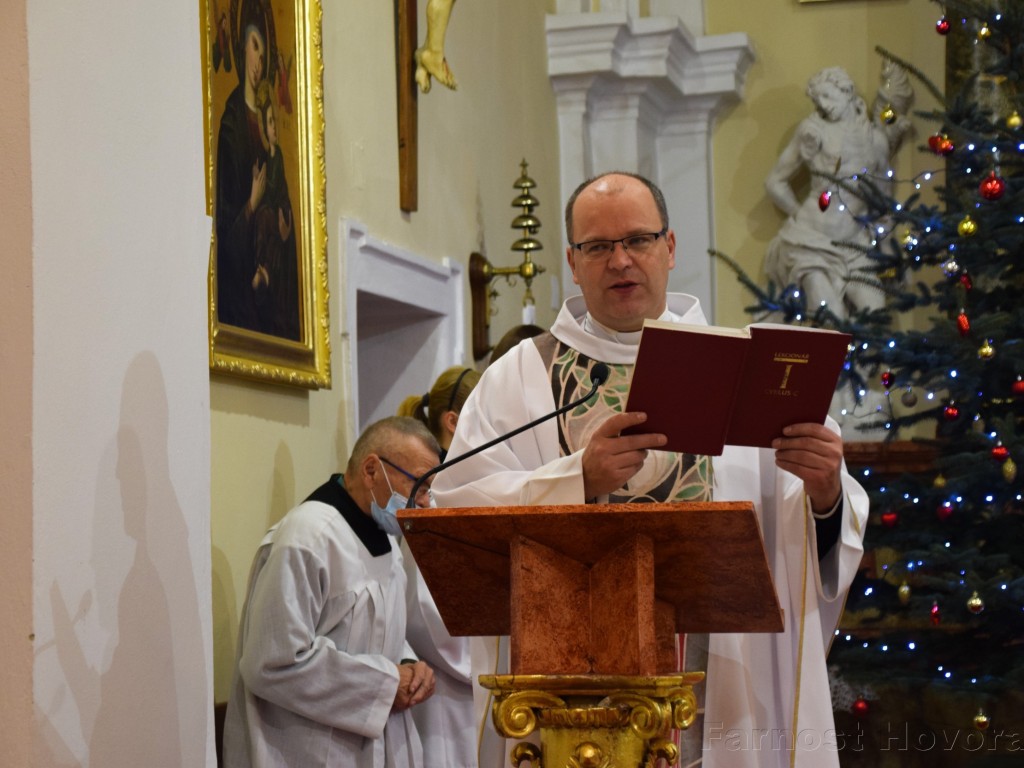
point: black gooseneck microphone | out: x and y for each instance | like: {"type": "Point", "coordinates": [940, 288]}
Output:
{"type": "Point", "coordinates": [598, 376]}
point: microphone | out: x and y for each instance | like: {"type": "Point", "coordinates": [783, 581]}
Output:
{"type": "Point", "coordinates": [598, 376]}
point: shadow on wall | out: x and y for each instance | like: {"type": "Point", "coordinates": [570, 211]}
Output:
{"type": "Point", "coordinates": [131, 653]}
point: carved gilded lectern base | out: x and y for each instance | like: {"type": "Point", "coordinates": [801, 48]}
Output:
{"type": "Point", "coordinates": [593, 721]}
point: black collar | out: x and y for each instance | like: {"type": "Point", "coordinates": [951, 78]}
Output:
{"type": "Point", "coordinates": [333, 493]}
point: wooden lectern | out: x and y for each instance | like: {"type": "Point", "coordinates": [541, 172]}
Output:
{"type": "Point", "coordinates": [592, 597]}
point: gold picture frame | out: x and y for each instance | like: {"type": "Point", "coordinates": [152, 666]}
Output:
{"type": "Point", "coordinates": [266, 190]}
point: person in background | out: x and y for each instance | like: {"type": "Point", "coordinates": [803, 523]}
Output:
{"type": "Point", "coordinates": [446, 723]}
{"type": "Point", "coordinates": [512, 337]}
{"type": "Point", "coordinates": [324, 677]}
{"type": "Point", "coordinates": [767, 702]}
{"type": "Point", "coordinates": [439, 408]}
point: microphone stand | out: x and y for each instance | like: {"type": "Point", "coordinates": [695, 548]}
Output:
{"type": "Point", "coordinates": [598, 376]}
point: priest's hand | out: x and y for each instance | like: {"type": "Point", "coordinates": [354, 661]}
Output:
{"type": "Point", "coordinates": [611, 459]}
{"type": "Point", "coordinates": [814, 453]}
{"type": "Point", "coordinates": [415, 684]}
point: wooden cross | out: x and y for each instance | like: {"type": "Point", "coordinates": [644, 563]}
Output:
{"type": "Point", "coordinates": [405, 68]}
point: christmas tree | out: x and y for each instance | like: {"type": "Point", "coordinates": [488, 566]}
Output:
{"type": "Point", "coordinates": [936, 617]}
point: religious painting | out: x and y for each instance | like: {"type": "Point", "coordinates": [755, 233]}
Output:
{"type": "Point", "coordinates": [263, 83]}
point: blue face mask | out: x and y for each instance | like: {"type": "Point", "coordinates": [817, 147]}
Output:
{"type": "Point", "coordinates": [385, 517]}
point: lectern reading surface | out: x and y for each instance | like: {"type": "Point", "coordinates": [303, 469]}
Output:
{"type": "Point", "coordinates": [595, 588]}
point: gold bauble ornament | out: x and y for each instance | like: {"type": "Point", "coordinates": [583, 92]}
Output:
{"type": "Point", "coordinates": [1009, 470]}
{"type": "Point", "coordinates": [975, 604]}
{"type": "Point", "coordinates": [1014, 121]}
{"type": "Point", "coordinates": [981, 720]}
{"type": "Point", "coordinates": [967, 227]}
{"type": "Point", "coordinates": [940, 481]}
{"type": "Point", "coordinates": [986, 351]}
{"type": "Point", "coordinates": [903, 593]}
{"type": "Point", "coordinates": [984, 33]}
{"type": "Point", "coordinates": [888, 115]}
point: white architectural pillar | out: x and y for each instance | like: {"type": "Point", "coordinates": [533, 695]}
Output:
{"type": "Point", "coordinates": [639, 93]}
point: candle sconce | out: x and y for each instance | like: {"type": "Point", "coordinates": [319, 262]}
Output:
{"type": "Point", "coordinates": [482, 272]}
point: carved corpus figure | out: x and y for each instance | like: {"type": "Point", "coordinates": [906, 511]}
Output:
{"type": "Point", "coordinates": [430, 60]}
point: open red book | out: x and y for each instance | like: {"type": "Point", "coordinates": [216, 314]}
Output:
{"type": "Point", "coordinates": [706, 386]}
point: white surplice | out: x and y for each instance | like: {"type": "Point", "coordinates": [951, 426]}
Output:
{"type": "Point", "coordinates": [322, 633]}
{"type": "Point", "coordinates": [767, 695]}
{"type": "Point", "coordinates": [446, 721]}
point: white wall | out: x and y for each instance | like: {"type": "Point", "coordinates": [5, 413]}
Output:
{"type": "Point", "coordinates": [121, 446]}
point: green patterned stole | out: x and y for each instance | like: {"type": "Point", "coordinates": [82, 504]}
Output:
{"type": "Point", "coordinates": [665, 476]}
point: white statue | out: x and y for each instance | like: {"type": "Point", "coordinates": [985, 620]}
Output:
{"type": "Point", "coordinates": [840, 140]}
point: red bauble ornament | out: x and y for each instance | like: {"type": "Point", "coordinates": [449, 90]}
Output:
{"type": "Point", "coordinates": [992, 188]}
{"type": "Point", "coordinates": [887, 379]}
{"type": "Point", "coordinates": [950, 413]}
{"type": "Point", "coordinates": [940, 144]}
{"type": "Point", "coordinates": [944, 511]}
{"type": "Point", "coordinates": [890, 518]}
{"type": "Point", "coordinates": [963, 323]}
{"type": "Point", "coordinates": [824, 199]}
{"type": "Point", "coordinates": [860, 707]}
{"type": "Point", "coordinates": [965, 281]}
{"type": "Point", "coordinates": [936, 616]}
{"type": "Point", "coordinates": [942, 26]}
{"type": "Point", "coordinates": [1000, 452]}
{"type": "Point", "coordinates": [1017, 387]}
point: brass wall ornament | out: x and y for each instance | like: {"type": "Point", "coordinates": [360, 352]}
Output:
{"type": "Point", "coordinates": [482, 272]}
{"type": "Point", "coordinates": [593, 721]}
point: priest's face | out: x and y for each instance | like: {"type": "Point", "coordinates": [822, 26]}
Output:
{"type": "Point", "coordinates": [626, 283]}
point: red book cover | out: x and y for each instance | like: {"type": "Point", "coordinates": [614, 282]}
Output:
{"type": "Point", "coordinates": [705, 387]}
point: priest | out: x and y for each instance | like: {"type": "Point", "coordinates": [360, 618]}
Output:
{"type": "Point", "coordinates": [766, 696]}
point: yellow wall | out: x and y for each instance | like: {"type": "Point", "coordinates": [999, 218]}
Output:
{"type": "Point", "coordinates": [792, 41]}
{"type": "Point", "coordinates": [271, 445]}
{"type": "Point", "coordinates": [16, 379]}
